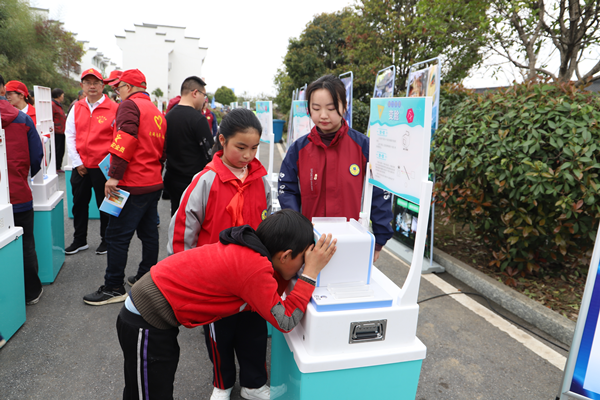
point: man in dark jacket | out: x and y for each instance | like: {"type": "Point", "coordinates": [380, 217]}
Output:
{"type": "Point", "coordinates": [60, 119]}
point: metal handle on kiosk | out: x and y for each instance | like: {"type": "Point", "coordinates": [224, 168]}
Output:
{"type": "Point", "coordinates": [367, 331]}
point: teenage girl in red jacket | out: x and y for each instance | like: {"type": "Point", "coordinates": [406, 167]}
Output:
{"type": "Point", "coordinates": [232, 190]}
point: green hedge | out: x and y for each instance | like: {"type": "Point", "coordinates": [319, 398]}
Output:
{"type": "Point", "coordinates": [520, 167]}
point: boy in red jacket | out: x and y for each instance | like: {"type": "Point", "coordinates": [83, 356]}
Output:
{"type": "Point", "coordinates": [246, 270]}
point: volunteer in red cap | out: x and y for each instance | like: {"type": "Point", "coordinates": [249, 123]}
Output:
{"type": "Point", "coordinates": [89, 132]}
{"type": "Point", "coordinates": [17, 94]}
{"type": "Point", "coordinates": [113, 78]}
{"type": "Point", "coordinates": [137, 157]}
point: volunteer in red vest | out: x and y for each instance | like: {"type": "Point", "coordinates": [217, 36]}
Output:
{"type": "Point", "coordinates": [137, 158]}
{"type": "Point", "coordinates": [24, 156]}
{"type": "Point", "coordinates": [89, 132]}
{"type": "Point", "coordinates": [17, 94]}
{"type": "Point", "coordinates": [210, 117]}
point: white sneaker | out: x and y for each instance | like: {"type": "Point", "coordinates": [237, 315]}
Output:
{"type": "Point", "coordinates": [262, 393]}
{"type": "Point", "coordinates": [220, 394]}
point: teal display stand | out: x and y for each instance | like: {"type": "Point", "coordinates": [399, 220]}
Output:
{"type": "Point", "coordinates": [49, 232]}
{"type": "Point", "coordinates": [93, 208]}
{"type": "Point", "coordinates": [270, 330]}
{"type": "Point", "coordinates": [12, 285]}
{"type": "Point", "coordinates": [397, 381]}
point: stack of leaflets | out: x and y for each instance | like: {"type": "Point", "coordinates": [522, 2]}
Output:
{"type": "Point", "coordinates": [114, 203]}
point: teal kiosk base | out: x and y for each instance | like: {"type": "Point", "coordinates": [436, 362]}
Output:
{"type": "Point", "coordinates": [94, 213]}
{"type": "Point", "coordinates": [49, 232]}
{"type": "Point", "coordinates": [12, 282]}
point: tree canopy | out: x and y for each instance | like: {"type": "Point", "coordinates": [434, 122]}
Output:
{"type": "Point", "coordinates": [224, 95]}
{"type": "Point", "coordinates": [35, 50]}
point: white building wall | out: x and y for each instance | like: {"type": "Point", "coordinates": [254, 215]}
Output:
{"type": "Point", "coordinates": [164, 54]}
{"type": "Point", "coordinates": [93, 58]}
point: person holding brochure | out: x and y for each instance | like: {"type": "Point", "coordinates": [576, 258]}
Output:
{"type": "Point", "coordinates": [137, 154]}
{"type": "Point", "coordinates": [323, 172]}
{"type": "Point", "coordinates": [231, 191]}
{"type": "Point", "coordinates": [88, 133]}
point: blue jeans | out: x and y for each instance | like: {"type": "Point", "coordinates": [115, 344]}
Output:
{"type": "Point", "coordinates": [139, 214]}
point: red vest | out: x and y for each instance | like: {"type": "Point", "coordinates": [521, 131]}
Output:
{"type": "Point", "coordinates": [94, 132]}
{"type": "Point", "coordinates": [144, 167]}
{"type": "Point", "coordinates": [31, 113]}
{"type": "Point", "coordinates": [209, 118]}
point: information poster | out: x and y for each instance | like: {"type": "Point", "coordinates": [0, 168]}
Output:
{"type": "Point", "coordinates": [425, 82]}
{"type": "Point", "coordinates": [582, 374]}
{"type": "Point", "coordinates": [264, 112]}
{"type": "Point", "coordinates": [233, 105]}
{"type": "Point", "coordinates": [400, 143]}
{"type": "Point", "coordinates": [384, 83]}
{"type": "Point", "coordinates": [301, 122]}
{"type": "Point", "coordinates": [348, 79]}
{"type": "Point", "coordinates": [246, 105]}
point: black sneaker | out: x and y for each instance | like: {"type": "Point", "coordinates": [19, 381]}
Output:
{"type": "Point", "coordinates": [75, 248]}
{"type": "Point", "coordinates": [106, 295]}
{"type": "Point", "coordinates": [34, 301]}
{"type": "Point", "coordinates": [102, 249]}
{"type": "Point", "coordinates": [131, 280]}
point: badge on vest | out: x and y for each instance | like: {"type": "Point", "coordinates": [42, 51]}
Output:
{"type": "Point", "coordinates": [354, 170]}
{"type": "Point", "coordinates": [101, 119]}
{"type": "Point", "coordinates": [264, 215]}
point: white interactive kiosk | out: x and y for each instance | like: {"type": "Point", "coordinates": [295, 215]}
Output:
{"type": "Point", "coordinates": [358, 339]}
{"type": "Point", "coordinates": [49, 227]}
{"type": "Point", "coordinates": [12, 279]}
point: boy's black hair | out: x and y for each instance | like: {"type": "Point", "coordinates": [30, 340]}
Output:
{"type": "Point", "coordinates": [286, 229]}
{"type": "Point", "coordinates": [334, 86]}
{"type": "Point", "coordinates": [190, 84]}
{"type": "Point", "coordinates": [56, 93]}
{"type": "Point", "coordinates": [238, 120]}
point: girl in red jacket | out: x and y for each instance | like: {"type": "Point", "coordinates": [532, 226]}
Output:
{"type": "Point", "coordinates": [232, 190]}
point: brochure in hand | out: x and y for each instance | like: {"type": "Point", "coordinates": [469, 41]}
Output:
{"type": "Point", "coordinates": [105, 165]}
{"type": "Point", "coordinates": [114, 203]}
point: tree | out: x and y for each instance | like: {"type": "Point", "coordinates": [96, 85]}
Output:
{"type": "Point", "coordinates": [157, 93]}
{"type": "Point", "coordinates": [225, 96]}
{"type": "Point", "coordinates": [526, 29]}
{"type": "Point", "coordinates": [403, 32]}
{"type": "Point", "coordinates": [35, 50]}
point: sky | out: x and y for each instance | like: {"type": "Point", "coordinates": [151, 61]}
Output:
{"type": "Point", "coordinates": [246, 40]}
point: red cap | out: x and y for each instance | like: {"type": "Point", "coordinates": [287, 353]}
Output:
{"type": "Point", "coordinates": [134, 77]}
{"type": "Point", "coordinates": [92, 72]}
{"type": "Point", "coordinates": [16, 86]}
{"type": "Point", "coordinates": [113, 78]}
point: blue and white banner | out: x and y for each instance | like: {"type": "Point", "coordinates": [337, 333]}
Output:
{"type": "Point", "coordinates": [264, 112]}
{"type": "Point", "coordinates": [348, 80]}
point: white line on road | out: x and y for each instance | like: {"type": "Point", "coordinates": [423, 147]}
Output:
{"type": "Point", "coordinates": [539, 348]}
{"type": "Point", "coordinates": [280, 149]}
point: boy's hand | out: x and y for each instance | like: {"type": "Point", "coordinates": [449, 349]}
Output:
{"type": "Point", "coordinates": [318, 255]}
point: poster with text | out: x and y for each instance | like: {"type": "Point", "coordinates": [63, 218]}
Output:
{"type": "Point", "coordinates": [400, 143]}
{"type": "Point", "coordinates": [347, 80]}
{"type": "Point", "coordinates": [264, 112]}
{"type": "Point", "coordinates": [301, 122]}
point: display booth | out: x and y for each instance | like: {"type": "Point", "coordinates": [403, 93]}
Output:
{"type": "Point", "coordinates": [93, 212]}
{"type": "Point", "coordinates": [357, 338]}
{"type": "Point", "coordinates": [12, 280]}
{"type": "Point", "coordinates": [49, 228]}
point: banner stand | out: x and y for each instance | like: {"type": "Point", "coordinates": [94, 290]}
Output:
{"type": "Point", "coordinates": [430, 86]}
{"type": "Point", "coordinates": [348, 79]}
{"type": "Point", "coordinates": [49, 226]}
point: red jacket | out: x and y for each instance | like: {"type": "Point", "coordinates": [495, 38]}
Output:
{"type": "Point", "coordinates": [327, 181]}
{"type": "Point", "coordinates": [31, 113]}
{"type": "Point", "coordinates": [59, 118]}
{"type": "Point", "coordinates": [214, 281]}
{"type": "Point", "coordinates": [203, 213]}
{"type": "Point", "coordinates": [24, 152]}
{"type": "Point", "coordinates": [94, 132]}
{"type": "Point", "coordinates": [143, 151]}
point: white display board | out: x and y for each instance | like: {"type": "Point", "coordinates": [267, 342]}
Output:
{"type": "Point", "coordinates": [264, 113]}
{"type": "Point", "coordinates": [582, 373]}
{"type": "Point", "coordinates": [45, 128]}
{"type": "Point", "coordinates": [400, 144]}
{"type": "Point", "coordinates": [246, 105]}
{"type": "Point", "coordinates": [301, 121]}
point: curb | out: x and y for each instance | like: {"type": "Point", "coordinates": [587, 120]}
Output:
{"type": "Point", "coordinates": [543, 318]}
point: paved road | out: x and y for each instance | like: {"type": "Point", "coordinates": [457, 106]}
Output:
{"type": "Point", "coordinates": [69, 350]}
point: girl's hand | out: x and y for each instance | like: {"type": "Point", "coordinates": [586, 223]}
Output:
{"type": "Point", "coordinates": [376, 255]}
{"type": "Point", "coordinates": [318, 255]}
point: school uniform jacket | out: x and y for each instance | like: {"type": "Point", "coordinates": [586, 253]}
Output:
{"type": "Point", "coordinates": [327, 181]}
{"type": "Point", "coordinates": [203, 214]}
{"type": "Point", "coordinates": [24, 152]}
{"type": "Point", "coordinates": [211, 282]}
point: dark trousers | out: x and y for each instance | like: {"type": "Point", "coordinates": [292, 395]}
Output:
{"type": "Point", "coordinates": [59, 141]}
{"type": "Point", "coordinates": [175, 186]}
{"type": "Point", "coordinates": [33, 286]}
{"type": "Point", "coordinates": [82, 194]}
{"type": "Point", "coordinates": [245, 334]}
{"type": "Point", "coordinates": [151, 356]}
{"type": "Point", "coordinates": [138, 215]}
